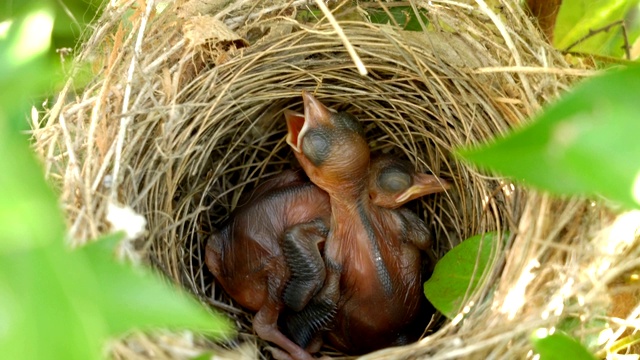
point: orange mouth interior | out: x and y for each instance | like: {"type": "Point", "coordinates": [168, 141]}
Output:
{"type": "Point", "coordinates": [295, 122]}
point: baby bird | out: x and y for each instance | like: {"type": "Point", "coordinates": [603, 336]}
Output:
{"type": "Point", "coordinates": [391, 183]}
{"type": "Point", "coordinates": [371, 253]}
{"type": "Point", "coordinates": [267, 257]}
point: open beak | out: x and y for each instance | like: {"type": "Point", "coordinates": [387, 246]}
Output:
{"type": "Point", "coordinates": [423, 185]}
{"type": "Point", "coordinates": [315, 114]}
{"type": "Point", "coordinates": [295, 123]}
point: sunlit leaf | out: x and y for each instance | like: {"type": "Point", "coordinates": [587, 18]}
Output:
{"type": "Point", "coordinates": [558, 346]}
{"type": "Point", "coordinates": [29, 214]}
{"type": "Point", "coordinates": [27, 37]}
{"type": "Point", "coordinates": [459, 273]}
{"type": "Point", "coordinates": [23, 57]}
{"type": "Point", "coordinates": [586, 143]}
{"type": "Point", "coordinates": [578, 17]}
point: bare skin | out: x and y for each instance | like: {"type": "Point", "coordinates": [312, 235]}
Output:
{"type": "Point", "coordinates": [371, 253]}
{"type": "Point", "coordinates": [267, 257]}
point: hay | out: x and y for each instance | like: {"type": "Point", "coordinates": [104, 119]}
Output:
{"type": "Point", "coordinates": [185, 113]}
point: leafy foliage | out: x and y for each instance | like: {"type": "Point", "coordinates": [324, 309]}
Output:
{"type": "Point", "coordinates": [584, 144]}
{"type": "Point", "coordinates": [459, 273]}
{"type": "Point", "coordinates": [29, 215]}
{"type": "Point", "coordinates": [55, 302]}
{"type": "Point", "coordinates": [578, 17]}
{"type": "Point", "coordinates": [558, 346]}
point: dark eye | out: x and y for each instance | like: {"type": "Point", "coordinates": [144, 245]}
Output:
{"type": "Point", "coordinates": [316, 146]}
{"type": "Point", "coordinates": [348, 121]}
{"type": "Point", "coordinates": [394, 181]}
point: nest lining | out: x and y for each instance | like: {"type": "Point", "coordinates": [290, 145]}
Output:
{"type": "Point", "coordinates": [200, 121]}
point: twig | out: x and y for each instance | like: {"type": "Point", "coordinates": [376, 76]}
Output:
{"type": "Point", "coordinates": [236, 5]}
{"type": "Point", "coordinates": [234, 22]}
{"type": "Point", "coordinates": [603, 58]}
{"type": "Point", "coordinates": [534, 70]}
{"type": "Point", "coordinates": [74, 165]}
{"type": "Point", "coordinates": [382, 5]}
{"type": "Point", "coordinates": [512, 47]}
{"type": "Point", "coordinates": [126, 120]}
{"type": "Point", "coordinates": [626, 47]}
{"type": "Point", "coordinates": [386, 10]}
{"type": "Point", "coordinates": [593, 32]}
{"type": "Point", "coordinates": [347, 44]}
{"type": "Point", "coordinates": [624, 343]}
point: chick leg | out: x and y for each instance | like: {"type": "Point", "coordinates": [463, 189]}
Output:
{"type": "Point", "coordinates": [265, 325]}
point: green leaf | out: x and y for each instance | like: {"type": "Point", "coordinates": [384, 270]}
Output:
{"type": "Point", "coordinates": [558, 346]}
{"type": "Point", "coordinates": [587, 143]}
{"type": "Point", "coordinates": [52, 309]}
{"type": "Point", "coordinates": [404, 16]}
{"type": "Point", "coordinates": [577, 17]}
{"type": "Point", "coordinates": [134, 297]}
{"type": "Point", "coordinates": [308, 15]}
{"type": "Point", "coordinates": [573, 324]}
{"type": "Point", "coordinates": [66, 303]}
{"type": "Point", "coordinates": [29, 214]}
{"type": "Point", "coordinates": [56, 303]}
{"type": "Point", "coordinates": [208, 355]}
{"type": "Point", "coordinates": [459, 273]}
{"type": "Point", "coordinates": [26, 70]}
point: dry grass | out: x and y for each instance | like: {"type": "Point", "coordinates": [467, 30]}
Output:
{"type": "Point", "coordinates": [183, 115]}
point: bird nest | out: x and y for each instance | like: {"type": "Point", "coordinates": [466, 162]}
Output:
{"type": "Point", "coordinates": [184, 113]}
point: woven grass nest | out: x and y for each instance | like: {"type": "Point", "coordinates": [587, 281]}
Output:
{"type": "Point", "coordinates": [184, 114]}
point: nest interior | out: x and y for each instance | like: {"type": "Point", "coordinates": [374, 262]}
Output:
{"type": "Point", "coordinates": [185, 115]}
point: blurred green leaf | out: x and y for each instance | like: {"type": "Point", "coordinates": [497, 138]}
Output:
{"type": "Point", "coordinates": [72, 17]}
{"type": "Point", "coordinates": [135, 298]}
{"type": "Point", "coordinates": [586, 143]}
{"type": "Point", "coordinates": [307, 15]}
{"type": "Point", "coordinates": [62, 304]}
{"type": "Point", "coordinates": [27, 38]}
{"type": "Point", "coordinates": [29, 214]}
{"type": "Point", "coordinates": [573, 324]}
{"type": "Point", "coordinates": [44, 74]}
{"type": "Point", "coordinates": [204, 356]}
{"type": "Point", "coordinates": [54, 313]}
{"type": "Point", "coordinates": [23, 46]}
{"type": "Point", "coordinates": [577, 17]}
{"type": "Point", "coordinates": [404, 16]}
{"type": "Point", "coordinates": [459, 273]}
{"type": "Point", "coordinates": [56, 303]}
{"type": "Point", "coordinates": [558, 346]}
